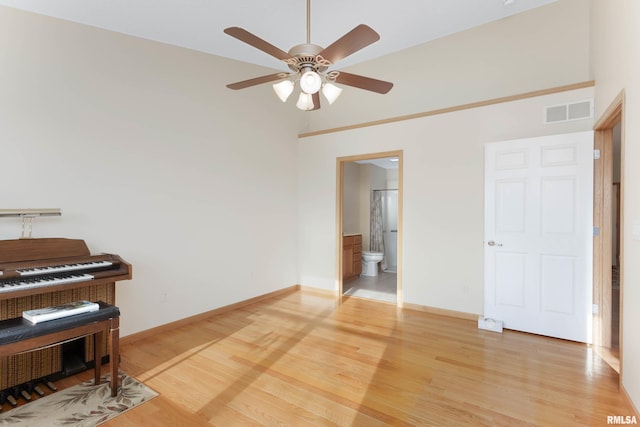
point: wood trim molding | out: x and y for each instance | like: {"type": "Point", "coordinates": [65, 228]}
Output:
{"type": "Point", "coordinates": [613, 114]}
{"type": "Point", "coordinates": [461, 107]}
{"type": "Point", "coordinates": [442, 311]}
{"type": "Point", "coordinates": [602, 244]}
{"type": "Point", "coordinates": [199, 317]}
{"type": "Point", "coordinates": [339, 223]}
{"type": "Point", "coordinates": [318, 291]}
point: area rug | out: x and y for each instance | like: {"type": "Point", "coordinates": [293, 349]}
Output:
{"type": "Point", "coordinates": [83, 405]}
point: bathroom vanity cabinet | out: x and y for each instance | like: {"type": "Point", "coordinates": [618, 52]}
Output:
{"type": "Point", "coordinates": [351, 256]}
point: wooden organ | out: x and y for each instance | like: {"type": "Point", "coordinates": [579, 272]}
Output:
{"type": "Point", "coordinates": [38, 273]}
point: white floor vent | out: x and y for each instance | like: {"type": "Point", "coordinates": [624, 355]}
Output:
{"type": "Point", "coordinates": [567, 112]}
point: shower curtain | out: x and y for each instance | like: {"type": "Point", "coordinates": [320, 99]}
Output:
{"type": "Point", "coordinates": [376, 227]}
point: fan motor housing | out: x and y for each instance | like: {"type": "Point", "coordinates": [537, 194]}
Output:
{"type": "Point", "coordinates": [305, 55]}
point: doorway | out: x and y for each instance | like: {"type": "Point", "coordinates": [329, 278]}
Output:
{"type": "Point", "coordinates": [369, 226]}
{"type": "Point", "coordinates": [608, 248]}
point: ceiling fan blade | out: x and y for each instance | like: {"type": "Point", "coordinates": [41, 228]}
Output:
{"type": "Point", "coordinates": [256, 81]}
{"type": "Point", "coordinates": [366, 83]}
{"type": "Point", "coordinates": [316, 101]}
{"type": "Point", "coordinates": [356, 39]}
{"type": "Point", "coordinates": [255, 41]}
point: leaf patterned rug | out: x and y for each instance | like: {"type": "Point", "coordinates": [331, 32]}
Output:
{"type": "Point", "coordinates": [83, 405]}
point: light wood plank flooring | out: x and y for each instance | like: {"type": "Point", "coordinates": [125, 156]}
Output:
{"type": "Point", "coordinates": [305, 360]}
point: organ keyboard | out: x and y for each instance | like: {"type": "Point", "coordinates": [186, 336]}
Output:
{"type": "Point", "coordinates": [35, 264]}
{"type": "Point", "coordinates": [65, 267]}
{"type": "Point", "coordinates": [11, 285]}
{"type": "Point", "coordinates": [38, 273]}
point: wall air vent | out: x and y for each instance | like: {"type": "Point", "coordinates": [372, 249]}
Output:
{"type": "Point", "coordinates": [567, 112]}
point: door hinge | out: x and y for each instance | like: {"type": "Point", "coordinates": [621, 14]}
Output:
{"type": "Point", "coordinates": [596, 154]}
{"type": "Point", "coordinates": [596, 231]}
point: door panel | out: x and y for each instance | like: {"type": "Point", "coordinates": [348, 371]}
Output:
{"type": "Point", "coordinates": [510, 279]}
{"type": "Point", "coordinates": [558, 210]}
{"type": "Point", "coordinates": [510, 206]}
{"type": "Point", "coordinates": [558, 284]}
{"type": "Point", "coordinates": [538, 234]}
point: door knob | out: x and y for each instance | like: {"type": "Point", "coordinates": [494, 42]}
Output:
{"type": "Point", "coordinates": [492, 243]}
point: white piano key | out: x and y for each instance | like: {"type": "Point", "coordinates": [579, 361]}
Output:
{"type": "Point", "coordinates": [11, 286]}
{"type": "Point", "coordinates": [63, 268]}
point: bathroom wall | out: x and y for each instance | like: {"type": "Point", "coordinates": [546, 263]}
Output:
{"type": "Point", "coordinates": [371, 178]}
{"type": "Point", "coordinates": [365, 190]}
{"type": "Point", "coordinates": [378, 178]}
{"type": "Point", "coordinates": [351, 199]}
{"type": "Point", "coordinates": [392, 179]}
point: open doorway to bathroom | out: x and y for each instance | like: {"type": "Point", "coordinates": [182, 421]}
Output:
{"type": "Point", "coordinates": [369, 200]}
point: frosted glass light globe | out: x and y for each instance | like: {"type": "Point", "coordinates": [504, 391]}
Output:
{"type": "Point", "coordinates": [310, 82]}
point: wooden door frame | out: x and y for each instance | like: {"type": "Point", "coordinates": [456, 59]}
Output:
{"type": "Point", "coordinates": [340, 161]}
{"type": "Point", "coordinates": [602, 218]}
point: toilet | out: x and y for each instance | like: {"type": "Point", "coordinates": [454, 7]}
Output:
{"type": "Point", "coordinates": [370, 262]}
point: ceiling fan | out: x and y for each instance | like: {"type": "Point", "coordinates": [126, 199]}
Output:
{"type": "Point", "coordinates": [309, 65]}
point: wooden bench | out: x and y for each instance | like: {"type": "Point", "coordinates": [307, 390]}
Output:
{"type": "Point", "coordinates": [19, 336]}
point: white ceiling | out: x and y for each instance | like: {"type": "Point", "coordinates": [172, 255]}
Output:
{"type": "Point", "coordinates": [198, 24]}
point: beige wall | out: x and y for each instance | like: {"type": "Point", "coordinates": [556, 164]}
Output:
{"type": "Point", "coordinates": [615, 65]}
{"type": "Point", "coordinates": [542, 48]}
{"type": "Point", "coordinates": [392, 179]}
{"type": "Point", "coordinates": [365, 204]}
{"type": "Point", "coordinates": [351, 211]}
{"type": "Point", "coordinates": [442, 200]}
{"type": "Point", "coordinates": [151, 157]}
{"type": "Point", "coordinates": [443, 154]}
{"type": "Point", "coordinates": [359, 181]}
{"type": "Point", "coordinates": [377, 180]}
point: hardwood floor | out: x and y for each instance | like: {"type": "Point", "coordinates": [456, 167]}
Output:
{"type": "Point", "coordinates": [305, 360]}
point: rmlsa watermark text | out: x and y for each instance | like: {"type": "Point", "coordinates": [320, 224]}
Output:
{"type": "Point", "coordinates": [621, 419]}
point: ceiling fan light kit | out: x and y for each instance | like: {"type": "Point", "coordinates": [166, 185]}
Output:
{"type": "Point", "coordinates": [331, 92]}
{"type": "Point", "coordinates": [310, 82]}
{"type": "Point", "coordinates": [309, 65]}
{"type": "Point", "coordinates": [305, 102]}
{"type": "Point", "coordinates": [283, 89]}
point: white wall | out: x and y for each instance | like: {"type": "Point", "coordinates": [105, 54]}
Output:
{"type": "Point", "coordinates": [615, 64]}
{"type": "Point", "coordinates": [442, 200]}
{"type": "Point", "coordinates": [151, 157]}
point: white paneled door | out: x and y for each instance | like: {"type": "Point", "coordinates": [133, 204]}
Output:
{"type": "Point", "coordinates": [538, 234]}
